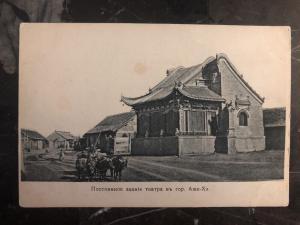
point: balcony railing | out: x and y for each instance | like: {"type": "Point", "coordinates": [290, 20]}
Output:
{"type": "Point", "coordinates": [193, 133]}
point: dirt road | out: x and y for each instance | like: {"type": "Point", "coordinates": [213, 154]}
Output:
{"type": "Point", "coordinates": [244, 167]}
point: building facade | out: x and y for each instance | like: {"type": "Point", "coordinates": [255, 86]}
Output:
{"type": "Point", "coordinates": [61, 139]}
{"type": "Point", "coordinates": [274, 124]}
{"type": "Point", "coordinates": [113, 134]}
{"type": "Point", "coordinates": [200, 109]}
{"type": "Point", "coordinates": [32, 140]}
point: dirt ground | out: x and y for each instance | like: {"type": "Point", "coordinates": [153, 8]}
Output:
{"type": "Point", "coordinates": [255, 166]}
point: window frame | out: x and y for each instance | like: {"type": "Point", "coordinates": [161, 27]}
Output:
{"type": "Point", "coordinates": [245, 114]}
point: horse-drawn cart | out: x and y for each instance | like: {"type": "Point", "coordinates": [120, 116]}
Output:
{"type": "Point", "coordinates": [94, 166]}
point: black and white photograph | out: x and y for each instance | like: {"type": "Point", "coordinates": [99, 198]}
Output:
{"type": "Point", "coordinates": [151, 104]}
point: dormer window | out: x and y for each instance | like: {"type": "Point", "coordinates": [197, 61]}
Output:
{"type": "Point", "coordinates": [214, 77]}
{"type": "Point", "coordinates": [200, 82]}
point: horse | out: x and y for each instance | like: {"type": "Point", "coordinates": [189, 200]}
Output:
{"type": "Point", "coordinates": [119, 163]}
{"type": "Point", "coordinates": [102, 165]}
{"type": "Point", "coordinates": [85, 166]}
{"type": "Point", "coordinates": [81, 167]}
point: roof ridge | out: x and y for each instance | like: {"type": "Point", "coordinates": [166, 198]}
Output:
{"type": "Point", "coordinates": [110, 116]}
{"type": "Point", "coordinates": [121, 113]}
{"type": "Point", "coordinates": [62, 131]}
{"type": "Point", "coordinates": [120, 122]}
{"type": "Point", "coordinates": [33, 131]}
{"type": "Point", "coordinates": [172, 73]}
{"type": "Point", "coordinates": [29, 130]}
{"type": "Point", "coordinates": [203, 64]}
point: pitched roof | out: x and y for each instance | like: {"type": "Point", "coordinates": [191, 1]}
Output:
{"type": "Point", "coordinates": [184, 75]}
{"type": "Point", "coordinates": [181, 74]}
{"type": "Point", "coordinates": [65, 134]}
{"type": "Point", "coordinates": [112, 123]}
{"type": "Point", "coordinates": [274, 117]}
{"type": "Point", "coordinates": [32, 134]}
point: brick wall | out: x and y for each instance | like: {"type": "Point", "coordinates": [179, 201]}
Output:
{"type": "Point", "coordinates": [196, 144]}
{"type": "Point", "coordinates": [155, 146]}
{"type": "Point", "coordinates": [231, 88]}
{"type": "Point", "coordinates": [181, 145]}
{"type": "Point", "coordinates": [275, 138]}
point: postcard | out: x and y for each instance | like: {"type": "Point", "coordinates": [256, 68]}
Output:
{"type": "Point", "coordinates": [154, 115]}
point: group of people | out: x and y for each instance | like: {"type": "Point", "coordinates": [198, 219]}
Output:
{"type": "Point", "coordinates": [95, 164]}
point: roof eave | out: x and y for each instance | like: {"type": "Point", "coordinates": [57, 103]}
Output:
{"type": "Point", "coordinates": [127, 100]}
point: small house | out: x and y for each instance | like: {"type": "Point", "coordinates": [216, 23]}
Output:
{"type": "Point", "coordinates": [32, 140]}
{"type": "Point", "coordinates": [61, 139]}
{"type": "Point", "coordinates": [274, 125]}
{"type": "Point", "coordinates": [113, 134]}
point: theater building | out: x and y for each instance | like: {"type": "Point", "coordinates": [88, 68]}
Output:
{"type": "Point", "coordinates": [205, 108]}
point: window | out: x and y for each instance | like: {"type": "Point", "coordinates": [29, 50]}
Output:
{"type": "Point", "coordinates": [197, 121]}
{"type": "Point", "coordinates": [194, 121]}
{"type": "Point", "coordinates": [243, 119]}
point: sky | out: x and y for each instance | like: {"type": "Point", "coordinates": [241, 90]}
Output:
{"type": "Point", "coordinates": [73, 75]}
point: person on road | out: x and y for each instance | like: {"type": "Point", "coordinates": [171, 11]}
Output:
{"type": "Point", "coordinates": [61, 155]}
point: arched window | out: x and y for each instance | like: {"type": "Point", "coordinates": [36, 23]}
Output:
{"type": "Point", "coordinates": [243, 119]}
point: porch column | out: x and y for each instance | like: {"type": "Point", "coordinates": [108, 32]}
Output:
{"type": "Point", "coordinates": [181, 120]}
{"type": "Point", "coordinates": [231, 131]}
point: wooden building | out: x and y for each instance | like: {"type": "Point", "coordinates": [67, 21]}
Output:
{"type": "Point", "coordinates": [61, 139]}
{"type": "Point", "coordinates": [200, 109]}
{"type": "Point", "coordinates": [32, 140]}
{"type": "Point", "coordinates": [113, 134]}
{"type": "Point", "coordinates": [274, 124]}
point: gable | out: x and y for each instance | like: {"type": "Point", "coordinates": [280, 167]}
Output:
{"type": "Point", "coordinates": [232, 82]}
{"type": "Point", "coordinates": [65, 135]}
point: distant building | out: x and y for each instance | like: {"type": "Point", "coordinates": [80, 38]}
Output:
{"type": "Point", "coordinates": [204, 108]}
{"type": "Point", "coordinates": [61, 139]}
{"type": "Point", "coordinates": [274, 124]}
{"type": "Point", "coordinates": [32, 140]}
{"type": "Point", "coordinates": [113, 134]}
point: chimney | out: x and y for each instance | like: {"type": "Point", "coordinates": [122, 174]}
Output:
{"type": "Point", "coordinates": [169, 71]}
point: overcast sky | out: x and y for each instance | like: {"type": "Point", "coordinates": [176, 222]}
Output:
{"type": "Point", "coordinates": [72, 76]}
